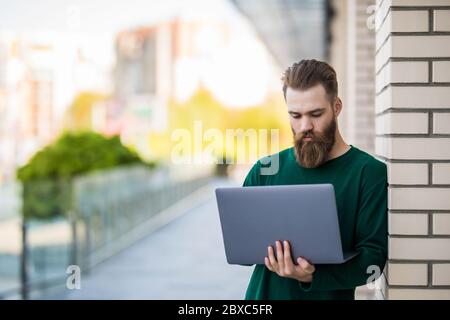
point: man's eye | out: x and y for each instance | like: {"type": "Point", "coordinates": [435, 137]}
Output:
{"type": "Point", "coordinates": [295, 116]}
{"type": "Point", "coordinates": [316, 115]}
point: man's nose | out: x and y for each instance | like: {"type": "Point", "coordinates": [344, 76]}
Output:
{"type": "Point", "coordinates": [306, 126]}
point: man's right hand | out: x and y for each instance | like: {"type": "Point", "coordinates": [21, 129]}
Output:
{"type": "Point", "coordinates": [284, 266]}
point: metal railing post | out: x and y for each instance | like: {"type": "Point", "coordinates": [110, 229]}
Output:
{"type": "Point", "coordinates": [24, 262]}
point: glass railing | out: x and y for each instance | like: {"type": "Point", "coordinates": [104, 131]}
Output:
{"type": "Point", "coordinates": [103, 213]}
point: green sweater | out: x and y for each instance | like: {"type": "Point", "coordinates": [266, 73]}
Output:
{"type": "Point", "coordinates": [360, 184]}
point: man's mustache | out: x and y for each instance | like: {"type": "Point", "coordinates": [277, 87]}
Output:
{"type": "Point", "coordinates": [301, 135]}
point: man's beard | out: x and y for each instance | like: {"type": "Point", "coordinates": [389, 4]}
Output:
{"type": "Point", "coordinates": [311, 154]}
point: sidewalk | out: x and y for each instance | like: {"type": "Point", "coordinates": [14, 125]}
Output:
{"type": "Point", "coordinates": [183, 260]}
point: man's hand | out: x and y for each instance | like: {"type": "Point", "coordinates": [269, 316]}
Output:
{"type": "Point", "coordinates": [284, 266]}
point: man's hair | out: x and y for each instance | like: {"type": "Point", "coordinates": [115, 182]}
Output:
{"type": "Point", "coordinates": [308, 73]}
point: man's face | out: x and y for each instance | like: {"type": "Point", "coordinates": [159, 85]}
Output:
{"type": "Point", "coordinates": [313, 124]}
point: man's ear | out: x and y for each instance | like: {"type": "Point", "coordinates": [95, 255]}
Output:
{"type": "Point", "coordinates": [337, 106]}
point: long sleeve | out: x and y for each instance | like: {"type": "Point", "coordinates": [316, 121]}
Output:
{"type": "Point", "coordinates": [253, 176]}
{"type": "Point", "coordinates": [252, 179]}
{"type": "Point", "coordinates": [370, 237]}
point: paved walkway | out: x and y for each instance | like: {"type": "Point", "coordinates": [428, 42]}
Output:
{"type": "Point", "coordinates": [183, 260]}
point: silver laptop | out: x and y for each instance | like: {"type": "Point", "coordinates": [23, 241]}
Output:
{"type": "Point", "coordinates": [252, 218]}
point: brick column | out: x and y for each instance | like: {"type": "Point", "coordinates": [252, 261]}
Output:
{"type": "Point", "coordinates": [412, 109]}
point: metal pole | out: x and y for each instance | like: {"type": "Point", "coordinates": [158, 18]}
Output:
{"type": "Point", "coordinates": [73, 223]}
{"type": "Point", "coordinates": [24, 262]}
{"type": "Point", "coordinates": [87, 244]}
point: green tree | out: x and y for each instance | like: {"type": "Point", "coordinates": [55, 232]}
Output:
{"type": "Point", "coordinates": [47, 176]}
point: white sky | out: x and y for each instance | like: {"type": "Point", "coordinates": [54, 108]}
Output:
{"type": "Point", "coordinates": [103, 15]}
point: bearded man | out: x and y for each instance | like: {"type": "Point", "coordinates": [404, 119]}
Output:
{"type": "Point", "coordinates": [320, 155]}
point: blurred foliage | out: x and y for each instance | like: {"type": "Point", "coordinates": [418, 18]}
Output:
{"type": "Point", "coordinates": [202, 106]}
{"type": "Point", "coordinates": [79, 116]}
{"type": "Point", "coordinates": [47, 176]}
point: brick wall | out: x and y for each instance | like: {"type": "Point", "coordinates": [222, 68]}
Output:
{"type": "Point", "coordinates": [412, 107]}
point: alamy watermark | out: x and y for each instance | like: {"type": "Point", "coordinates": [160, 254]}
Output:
{"type": "Point", "coordinates": [373, 281]}
{"type": "Point", "coordinates": [73, 281]}
{"type": "Point", "coordinates": [201, 146]}
{"type": "Point", "coordinates": [371, 11]}
{"type": "Point", "coordinates": [73, 17]}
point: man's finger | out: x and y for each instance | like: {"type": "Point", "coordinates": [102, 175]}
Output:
{"type": "Point", "coordinates": [287, 256]}
{"type": "Point", "coordinates": [272, 260]}
{"type": "Point", "coordinates": [306, 266]}
{"type": "Point", "coordinates": [267, 263]}
{"type": "Point", "coordinates": [280, 258]}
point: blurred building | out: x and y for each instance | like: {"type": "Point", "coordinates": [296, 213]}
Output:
{"type": "Point", "coordinates": [142, 77]}
{"type": "Point", "coordinates": [155, 64]}
{"type": "Point", "coordinates": [40, 75]}
{"type": "Point", "coordinates": [292, 30]}
{"type": "Point", "coordinates": [26, 101]}
{"type": "Point", "coordinates": [352, 48]}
